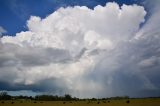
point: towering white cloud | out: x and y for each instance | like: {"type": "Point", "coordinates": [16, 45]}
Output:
{"type": "Point", "coordinates": [84, 52]}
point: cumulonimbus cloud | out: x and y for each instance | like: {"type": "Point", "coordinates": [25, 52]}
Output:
{"type": "Point", "coordinates": [87, 53]}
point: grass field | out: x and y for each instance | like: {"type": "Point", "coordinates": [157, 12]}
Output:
{"type": "Point", "coordinates": [132, 102]}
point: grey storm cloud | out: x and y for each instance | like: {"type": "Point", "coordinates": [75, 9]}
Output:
{"type": "Point", "coordinates": [29, 56]}
{"type": "Point", "coordinates": [105, 54]}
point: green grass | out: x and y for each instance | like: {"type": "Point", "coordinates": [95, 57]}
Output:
{"type": "Point", "coordinates": [132, 102]}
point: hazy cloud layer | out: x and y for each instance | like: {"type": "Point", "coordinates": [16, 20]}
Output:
{"type": "Point", "coordinates": [87, 53]}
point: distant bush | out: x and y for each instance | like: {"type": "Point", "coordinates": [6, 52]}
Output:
{"type": "Point", "coordinates": [93, 99]}
{"type": "Point", "coordinates": [20, 97]}
{"type": "Point", "coordinates": [127, 101]}
{"type": "Point", "coordinates": [119, 97]}
{"type": "Point", "coordinates": [98, 102]}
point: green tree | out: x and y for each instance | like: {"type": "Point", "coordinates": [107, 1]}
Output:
{"type": "Point", "coordinates": [67, 97]}
{"type": "Point", "coordinates": [4, 96]}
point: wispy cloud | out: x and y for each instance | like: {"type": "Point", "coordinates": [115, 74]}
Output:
{"type": "Point", "coordinates": [2, 30]}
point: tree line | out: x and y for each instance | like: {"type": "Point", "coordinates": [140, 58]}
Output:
{"type": "Point", "coordinates": [66, 97]}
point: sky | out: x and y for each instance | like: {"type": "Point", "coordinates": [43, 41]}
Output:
{"type": "Point", "coordinates": [86, 48]}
